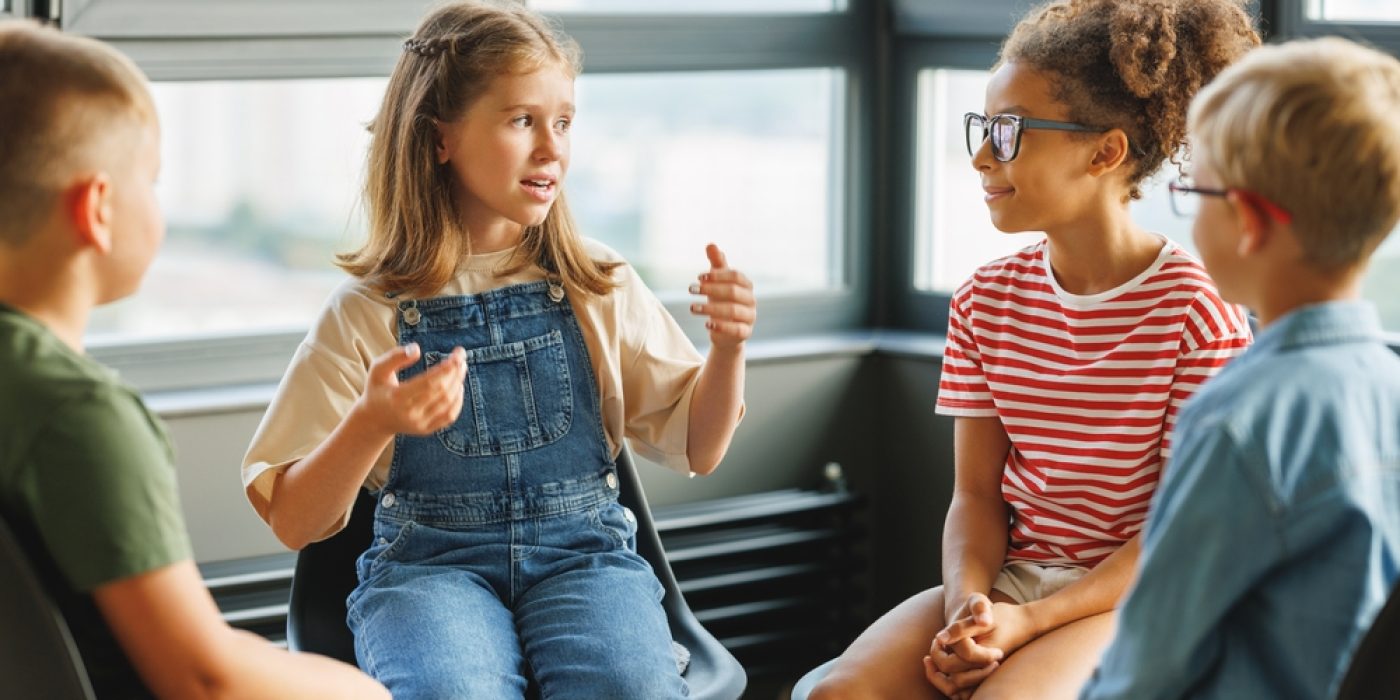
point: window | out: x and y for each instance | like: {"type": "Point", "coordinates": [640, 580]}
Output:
{"type": "Point", "coordinates": [953, 234]}
{"type": "Point", "coordinates": [662, 165]}
{"type": "Point", "coordinates": [665, 163]}
{"type": "Point", "coordinates": [686, 6]}
{"type": "Point", "coordinates": [260, 188]}
{"type": "Point", "coordinates": [1354, 10]}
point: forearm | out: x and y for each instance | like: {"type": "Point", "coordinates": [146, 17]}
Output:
{"type": "Point", "coordinates": [170, 629]}
{"type": "Point", "coordinates": [974, 547]}
{"type": "Point", "coordinates": [1098, 591]}
{"type": "Point", "coordinates": [313, 494]}
{"type": "Point", "coordinates": [714, 408]}
{"type": "Point", "coordinates": [253, 669]}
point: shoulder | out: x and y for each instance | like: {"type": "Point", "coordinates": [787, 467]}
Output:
{"type": "Point", "coordinates": [356, 321]}
{"type": "Point", "coordinates": [600, 251]}
{"type": "Point", "coordinates": [631, 289]}
{"type": "Point", "coordinates": [1023, 270]}
{"type": "Point", "coordinates": [45, 381]}
{"type": "Point", "coordinates": [1206, 317]}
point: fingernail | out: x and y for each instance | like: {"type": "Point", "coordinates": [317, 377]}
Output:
{"type": "Point", "coordinates": [705, 277]}
{"type": "Point", "coordinates": [410, 349]}
{"type": "Point", "coordinates": [696, 307]}
{"type": "Point", "coordinates": [694, 289]}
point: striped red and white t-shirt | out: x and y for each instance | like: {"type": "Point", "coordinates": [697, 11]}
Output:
{"type": "Point", "coordinates": [1087, 387]}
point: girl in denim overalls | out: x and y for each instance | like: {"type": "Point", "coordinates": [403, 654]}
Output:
{"type": "Point", "coordinates": [477, 373]}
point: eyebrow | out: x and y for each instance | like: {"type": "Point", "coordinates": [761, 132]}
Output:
{"type": "Point", "coordinates": [1013, 109]}
{"type": "Point", "coordinates": [568, 107]}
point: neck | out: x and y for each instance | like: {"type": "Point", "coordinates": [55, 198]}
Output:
{"type": "Point", "coordinates": [1100, 251]}
{"type": "Point", "coordinates": [55, 297]}
{"type": "Point", "coordinates": [495, 236]}
{"type": "Point", "coordinates": [1292, 289]}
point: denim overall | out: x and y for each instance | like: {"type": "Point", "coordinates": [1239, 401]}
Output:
{"type": "Point", "coordinates": [500, 550]}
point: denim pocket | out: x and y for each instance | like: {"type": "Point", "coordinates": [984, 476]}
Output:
{"type": "Point", "coordinates": [518, 397]}
{"type": "Point", "coordinates": [618, 523]}
{"type": "Point", "coordinates": [383, 550]}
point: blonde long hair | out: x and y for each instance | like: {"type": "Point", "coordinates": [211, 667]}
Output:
{"type": "Point", "coordinates": [416, 240]}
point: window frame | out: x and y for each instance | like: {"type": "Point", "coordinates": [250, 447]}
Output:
{"type": "Point", "coordinates": [1290, 21]}
{"type": "Point", "coordinates": [10, 9]}
{"type": "Point", "coordinates": [174, 40]}
{"type": "Point", "coordinates": [913, 308]}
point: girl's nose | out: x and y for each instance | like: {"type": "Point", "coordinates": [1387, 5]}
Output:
{"type": "Point", "coordinates": [550, 146]}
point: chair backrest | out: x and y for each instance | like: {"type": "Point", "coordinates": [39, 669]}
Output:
{"type": "Point", "coordinates": [714, 673]}
{"type": "Point", "coordinates": [1374, 669]}
{"type": "Point", "coordinates": [38, 658]}
{"type": "Point", "coordinates": [325, 576]}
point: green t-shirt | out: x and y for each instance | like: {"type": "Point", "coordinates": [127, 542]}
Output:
{"type": "Point", "coordinates": [87, 481]}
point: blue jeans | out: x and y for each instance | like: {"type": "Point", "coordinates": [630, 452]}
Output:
{"type": "Point", "coordinates": [440, 629]}
{"type": "Point", "coordinates": [501, 555]}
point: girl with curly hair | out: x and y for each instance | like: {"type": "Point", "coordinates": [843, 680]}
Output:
{"type": "Point", "coordinates": [1066, 362]}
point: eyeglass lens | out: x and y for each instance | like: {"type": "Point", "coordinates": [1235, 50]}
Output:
{"type": "Point", "coordinates": [1000, 129]}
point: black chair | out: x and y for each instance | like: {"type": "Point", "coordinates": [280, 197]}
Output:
{"type": "Point", "coordinates": [325, 575]}
{"type": "Point", "coordinates": [1374, 671]}
{"type": "Point", "coordinates": [38, 658]}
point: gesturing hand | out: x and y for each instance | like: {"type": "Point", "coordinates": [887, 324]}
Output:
{"type": "Point", "coordinates": [422, 405]}
{"type": "Point", "coordinates": [729, 301]}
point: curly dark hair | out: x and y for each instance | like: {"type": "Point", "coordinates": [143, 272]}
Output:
{"type": "Point", "coordinates": [1133, 64]}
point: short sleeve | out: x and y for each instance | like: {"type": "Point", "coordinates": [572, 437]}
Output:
{"type": "Point", "coordinates": [102, 491]}
{"type": "Point", "coordinates": [324, 379]}
{"type": "Point", "coordinates": [962, 387]}
{"type": "Point", "coordinates": [660, 368]}
{"type": "Point", "coordinates": [315, 394]}
{"type": "Point", "coordinates": [1215, 332]}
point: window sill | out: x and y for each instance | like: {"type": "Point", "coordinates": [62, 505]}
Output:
{"type": "Point", "coordinates": [216, 400]}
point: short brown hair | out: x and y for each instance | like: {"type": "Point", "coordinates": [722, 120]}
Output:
{"type": "Point", "coordinates": [1133, 64]}
{"type": "Point", "coordinates": [1315, 127]}
{"type": "Point", "coordinates": [416, 242]}
{"type": "Point", "coordinates": [61, 98]}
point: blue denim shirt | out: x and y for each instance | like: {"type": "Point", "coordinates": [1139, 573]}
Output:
{"type": "Point", "coordinates": [1274, 536]}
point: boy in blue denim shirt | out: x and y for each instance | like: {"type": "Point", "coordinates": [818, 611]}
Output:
{"type": "Point", "coordinates": [1275, 535]}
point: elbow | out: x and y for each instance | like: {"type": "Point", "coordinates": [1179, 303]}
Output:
{"type": "Point", "coordinates": [292, 538]}
{"type": "Point", "coordinates": [703, 467]}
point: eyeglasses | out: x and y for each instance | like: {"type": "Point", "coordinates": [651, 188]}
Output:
{"type": "Point", "coordinates": [1004, 130]}
{"type": "Point", "coordinates": [1186, 200]}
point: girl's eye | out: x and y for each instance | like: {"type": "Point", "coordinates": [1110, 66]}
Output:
{"type": "Point", "coordinates": [563, 125]}
{"type": "Point", "coordinates": [523, 120]}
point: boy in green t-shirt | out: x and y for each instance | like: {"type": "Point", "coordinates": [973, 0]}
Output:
{"type": "Point", "coordinates": [86, 476]}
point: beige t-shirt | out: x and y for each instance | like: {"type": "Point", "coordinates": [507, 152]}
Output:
{"type": "Point", "coordinates": [646, 369]}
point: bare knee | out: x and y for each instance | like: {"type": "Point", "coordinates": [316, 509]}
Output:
{"type": "Point", "coordinates": [840, 687]}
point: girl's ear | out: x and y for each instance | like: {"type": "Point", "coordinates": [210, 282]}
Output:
{"type": "Point", "coordinates": [89, 208]}
{"type": "Point", "coordinates": [1111, 152]}
{"type": "Point", "coordinates": [441, 151]}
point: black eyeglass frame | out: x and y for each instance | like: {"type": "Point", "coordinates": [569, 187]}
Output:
{"type": "Point", "coordinates": [1179, 187]}
{"type": "Point", "coordinates": [1018, 126]}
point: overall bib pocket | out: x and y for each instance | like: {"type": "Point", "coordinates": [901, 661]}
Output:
{"type": "Point", "coordinates": [517, 397]}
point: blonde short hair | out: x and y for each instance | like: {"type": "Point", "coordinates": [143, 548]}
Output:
{"type": "Point", "coordinates": [62, 99]}
{"type": "Point", "coordinates": [1313, 126]}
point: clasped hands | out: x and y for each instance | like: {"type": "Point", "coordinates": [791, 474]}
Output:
{"type": "Point", "coordinates": [980, 635]}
